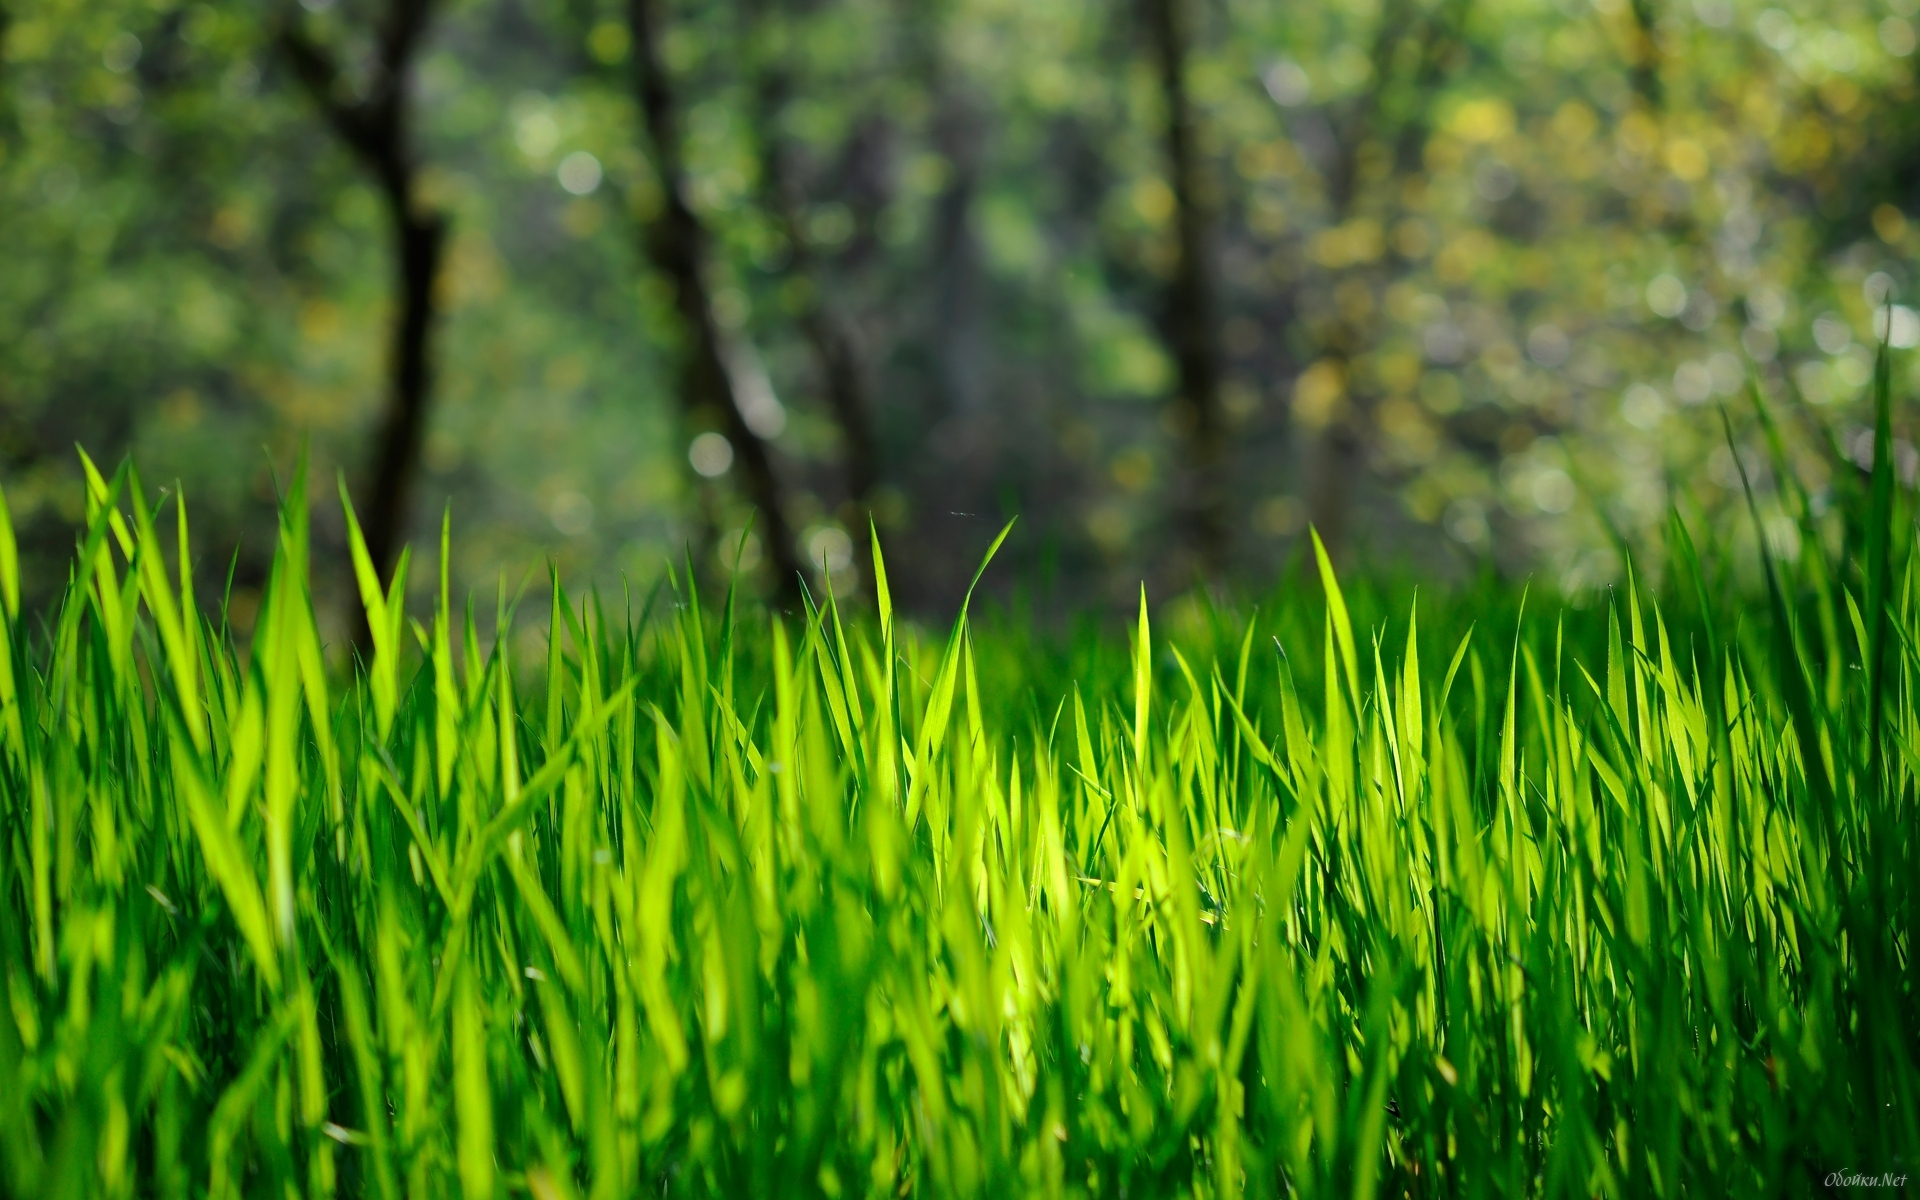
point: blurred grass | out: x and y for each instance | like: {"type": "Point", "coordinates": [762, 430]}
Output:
{"type": "Point", "coordinates": [1350, 895]}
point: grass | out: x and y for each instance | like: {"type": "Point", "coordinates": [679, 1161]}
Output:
{"type": "Point", "coordinates": [1350, 895]}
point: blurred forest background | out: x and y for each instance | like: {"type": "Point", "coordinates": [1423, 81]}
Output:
{"type": "Point", "coordinates": [1460, 282]}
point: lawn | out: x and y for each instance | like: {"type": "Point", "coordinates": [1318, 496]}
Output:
{"type": "Point", "coordinates": [1469, 892]}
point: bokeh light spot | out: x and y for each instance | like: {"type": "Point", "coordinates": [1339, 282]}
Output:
{"type": "Point", "coordinates": [711, 455]}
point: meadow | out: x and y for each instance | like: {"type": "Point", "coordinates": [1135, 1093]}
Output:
{"type": "Point", "coordinates": [1359, 891]}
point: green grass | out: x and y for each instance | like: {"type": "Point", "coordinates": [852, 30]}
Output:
{"type": "Point", "coordinates": [1344, 896]}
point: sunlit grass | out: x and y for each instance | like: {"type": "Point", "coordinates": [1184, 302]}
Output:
{"type": "Point", "coordinates": [1346, 896]}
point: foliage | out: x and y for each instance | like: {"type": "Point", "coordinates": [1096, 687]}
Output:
{"type": "Point", "coordinates": [1511, 251]}
{"type": "Point", "coordinates": [711, 902]}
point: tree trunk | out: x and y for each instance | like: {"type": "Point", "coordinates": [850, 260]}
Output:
{"type": "Point", "coordinates": [1337, 453]}
{"type": "Point", "coordinates": [418, 245]}
{"type": "Point", "coordinates": [677, 241]}
{"type": "Point", "coordinates": [1190, 301]}
{"type": "Point", "coordinates": [844, 375]}
{"type": "Point", "coordinates": [1338, 457]}
{"type": "Point", "coordinates": [829, 334]}
{"type": "Point", "coordinates": [959, 342]}
{"type": "Point", "coordinates": [379, 132]}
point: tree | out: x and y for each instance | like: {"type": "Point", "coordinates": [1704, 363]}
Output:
{"type": "Point", "coordinates": [1503, 284]}
{"type": "Point", "coordinates": [677, 241]}
{"type": "Point", "coordinates": [829, 333]}
{"type": "Point", "coordinates": [1379, 140]}
{"type": "Point", "coordinates": [379, 129]}
{"type": "Point", "coordinates": [1190, 316]}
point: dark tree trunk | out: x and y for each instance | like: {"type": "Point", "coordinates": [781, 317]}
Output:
{"type": "Point", "coordinates": [418, 245]}
{"type": "Point", "coordinates": [959, 343]}
{"type": "Point", "coordinates": [843, 372]}
{"type": "Point", "coordinates": [677, 242]}
{"type": "Point", "coordinates": [827, 329]}
{"type": "Point", "coordinates": [953, 343]}
{"type": "Point", "coordinates": [1190, 301]}
{"type": "Point", "coordinates": [1337, 453]}
{"type": "Point", "coordinates": [379, 131]}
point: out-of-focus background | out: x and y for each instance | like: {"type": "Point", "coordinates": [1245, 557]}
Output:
{"type": "Point", "coordinates": [1463, 283]}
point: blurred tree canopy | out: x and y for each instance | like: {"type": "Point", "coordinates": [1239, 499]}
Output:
{"type": "Point", "coordinates": [1459, 281]}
